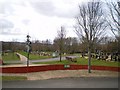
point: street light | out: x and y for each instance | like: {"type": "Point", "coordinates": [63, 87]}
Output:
{"type": "Point", "coordinates": [28, 45]}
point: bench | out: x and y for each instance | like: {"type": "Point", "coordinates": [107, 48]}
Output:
{"type": "Point", "coordinates": [72, 59]}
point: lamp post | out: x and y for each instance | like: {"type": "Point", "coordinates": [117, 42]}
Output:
{"type": "Point", "coordinates": [28, 45]}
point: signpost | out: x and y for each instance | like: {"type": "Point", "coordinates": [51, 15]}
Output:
{"type": "Point", "coordinates": [66, 66]}
{"type": "Point", "coordinates": [28, 45]}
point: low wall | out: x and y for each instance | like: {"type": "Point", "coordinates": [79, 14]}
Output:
{"type": "Point", "coordinates": [55, 67]}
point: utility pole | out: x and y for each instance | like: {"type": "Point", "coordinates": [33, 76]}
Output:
{"type": "Point", "coordinates": [28, 44]}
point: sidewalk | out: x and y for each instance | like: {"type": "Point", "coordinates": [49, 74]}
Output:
{"type": "Point", "coordinates": [65, 73]}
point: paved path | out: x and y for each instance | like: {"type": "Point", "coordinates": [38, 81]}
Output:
{"type": "Point", "coordinates": [83, 82]}
{"type": "Point", "coordinates": [22, 58]}
{"type": "Point", "coordinates": [64, 73]}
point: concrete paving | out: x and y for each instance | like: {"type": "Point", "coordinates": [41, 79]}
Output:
{"type": "Point", "coordinates": [22, 58]}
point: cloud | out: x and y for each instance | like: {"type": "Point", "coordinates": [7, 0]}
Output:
{"type": "Point", "coordinates": [25, 21]}
{"type": "Point", "coordinates": [57, 8]}
{"type": "Point", "coordinates": [40, 18]}
{"type": "Point", "coordinates": [5, 24]}
{"type": "Point", "coordinates": [46, 8]}
{"type": "Point", "coordinates": [6, 8]}
{"type": "Point", "coordinates": [7, 28]}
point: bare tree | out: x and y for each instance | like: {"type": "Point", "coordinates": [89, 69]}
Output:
{"type": "Point", "coordinates": [61, 36]}
{"type": "Point", "coordinates": [90, 25]}
{"type": "Point", "coordinates": [71, 45]}
{"type": "Point", "coordinates": [114, 19]}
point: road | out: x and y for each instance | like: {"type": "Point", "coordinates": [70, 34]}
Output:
{"type": "Point", "coordinates": [32, 61]}
{"type": "Point", "coordinates": [86, 82]}
{"type": "Point", "coordinates": [47, 60]}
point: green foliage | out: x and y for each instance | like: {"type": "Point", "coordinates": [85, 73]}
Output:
{"type": "Point", "coordinates": [9, 78]}
{"type": "Point", "coordinates": [83, 61]}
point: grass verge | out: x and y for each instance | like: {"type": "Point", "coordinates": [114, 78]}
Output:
{"type": "Point", "coordinates": [9, 78]}
{"type": "Point", "coordinates": [35, 56]}
{"type": "Point", "coordinates": [10, 56]}
{"type": "Point", "coordinates": [83, 61]}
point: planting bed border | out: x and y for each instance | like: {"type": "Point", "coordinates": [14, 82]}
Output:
{"type": "Point", "coordinates": [55, 67]}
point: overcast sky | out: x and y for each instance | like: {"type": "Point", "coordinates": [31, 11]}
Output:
{"type": "Point", "coordinates": [40, 18]}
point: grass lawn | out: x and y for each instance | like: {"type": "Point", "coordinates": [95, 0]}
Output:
{"type": "Point", "coordinates": [9, 78]}
{"type": "Point", "coordinates": [35, 56]}
{"type": "Point", "coordinates": [10, 56]}
{"type": "Point", "coordinates": [8, 63]}
{"type": "Point", "coordinates": [83, 61]}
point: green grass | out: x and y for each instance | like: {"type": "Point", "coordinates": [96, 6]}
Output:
{"type": "Point", "coordinates": [10, 56]}
{"type": "Point", "coordinates": [7, 63]}
{"type": "Point", "coordinates": [9, 78]}
{"type": "Point", "coordinates": [34, 56]}
{"type": "Point", "coordinates": [23, 53]}
{"type": "Point", "coordinates": [83, 61]}
{"type": "Point", "coordinates": [105, 63]}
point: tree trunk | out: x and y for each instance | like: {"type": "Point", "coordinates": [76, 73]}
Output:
{"type": "Point", "coordinates": [89, 60]}
{"type": "Point", "coordinates": [61, 48]}
{"type": "Point", "coordinates": [60, 56]}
